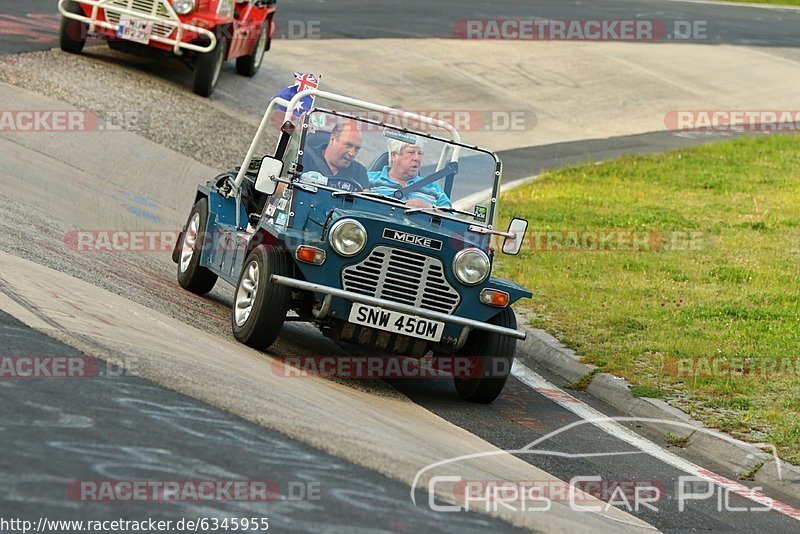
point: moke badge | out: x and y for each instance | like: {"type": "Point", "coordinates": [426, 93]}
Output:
{"type": "Point", "coordinates": [418, 240]}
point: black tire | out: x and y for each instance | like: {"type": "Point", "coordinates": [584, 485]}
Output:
{"type": "Point", "coordinates": [249, 65]}
{"type": "Point", "coordinates": [207, 69]}
{"type": "Point", "coordinates": [191, 276]}
{"type": "Point", "coordinates": [259, 327]}
{"type": "Point", "coordinates": [496, 354]}
{"type": "Point", "coordinates": [72, 33]}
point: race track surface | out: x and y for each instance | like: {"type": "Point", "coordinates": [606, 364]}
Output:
{"type": "Point", "coordinates": [181, 400]}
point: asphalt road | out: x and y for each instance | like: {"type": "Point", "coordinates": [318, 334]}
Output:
{"type": "Point", "coordinates": [32, 24]}
{"type": "Point", "coordinates": [106, 425]}
{"type": "Point", "coordinates": [529, 161]}
{"type": "Point", "coordinates": [210, 442]}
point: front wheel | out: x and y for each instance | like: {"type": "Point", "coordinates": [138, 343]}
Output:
{"type": "Point", "coordinates": [191, 275]}
{"type": "Point", "coordinates": [72, 33]}
{"type": "Point", "coordinates": [493, 354]}
{"type": "Point", "coordinates": [249, 65]}
{"type": "Point", "coordinates": [208, 68]}
{"type": "Point", "coordinates": [260, 306]}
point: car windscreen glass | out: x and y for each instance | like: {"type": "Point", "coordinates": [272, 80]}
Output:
{"type": "Point", "coordinates": [352, 153]}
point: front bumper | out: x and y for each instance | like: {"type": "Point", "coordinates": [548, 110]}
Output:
{"type": "Point", "coordinates": [331, 292]}
{"type": "Point", "coordinates": [174, 38]}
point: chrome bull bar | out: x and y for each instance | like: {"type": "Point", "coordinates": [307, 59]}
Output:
{"type": "Point", "coordinates": [330, 292]}
{"type": "Point", "coordinates": [173, 21]}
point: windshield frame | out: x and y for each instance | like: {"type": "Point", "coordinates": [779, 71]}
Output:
{"type": "Point", "coordinates": [498, 166]}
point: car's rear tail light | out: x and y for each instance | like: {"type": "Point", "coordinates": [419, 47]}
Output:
{"type": "Point", "coordinates": [312, 255]}
{"type": "Point", "coordinates": [495, 297]}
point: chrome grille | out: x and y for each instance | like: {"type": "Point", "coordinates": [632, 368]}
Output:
{"type": "Point", "coordinates": [402, 276]}
{"type": "Point", "coordinates": [149, 7]}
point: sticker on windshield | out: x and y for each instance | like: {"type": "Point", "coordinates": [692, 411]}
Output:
{"type": "Point", "coordinates": [405, 137]}
{"type": "Point", "coordinates": [318, 120]}
{"type": "Point", "coordinates": [480, 213]}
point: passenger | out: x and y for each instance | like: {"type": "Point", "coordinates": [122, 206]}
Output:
{"type": "Point", "coordinates": [405, 161]}
{"type": "Point", "coordinates": [336, 157]}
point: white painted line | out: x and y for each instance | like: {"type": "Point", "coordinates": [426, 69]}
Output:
{"type": "Point", "coordinates": [774, 7]}
{"type": "Point", "coordinates": [614, 428]}
{"type": "Point", "coordinates": [470, 200]}
{"type": "Point", "coordinates": [756, 51]}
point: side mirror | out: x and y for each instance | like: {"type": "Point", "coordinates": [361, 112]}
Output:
{"type": "Point", "coordinates": [512, 245]}
{"type": "Point", "coordinates": [268, 174]}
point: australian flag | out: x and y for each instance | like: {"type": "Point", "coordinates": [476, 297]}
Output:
{"type": "Point", "coordinates": [302, 81]}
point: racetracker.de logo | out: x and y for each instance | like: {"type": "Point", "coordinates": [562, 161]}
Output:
{"type": "Point", "coordinates": [722, 120]}
{"type": "Point", "coordinates": [540, 29]}
{"type": "Point", "coordinates": [384, 367]}
{"type": "Point", "coordinates": [463, 120]}
{"type": "Point", "coordinates": [126, 240]}
{"type": "Point", "coordinates": [604, 240]}
{"type": "Point", "coordinates": [48, 367]}
{"type": "Point", "coordinates": [174, 490]}
{"type": "Point", "coordinates": [27, 120]}
{"type": "Point", "coordinates": [759, 367]}
{"type": "Point", "coordinates": [65, 120]}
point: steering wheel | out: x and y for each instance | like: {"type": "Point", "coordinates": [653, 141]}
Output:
{"type": "Point", "coordinates": [344, 183]}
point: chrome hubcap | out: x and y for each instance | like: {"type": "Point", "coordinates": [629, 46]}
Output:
{"type": "Point", "coordinates": [189, 240]}
{"type": "Point", "coordinates": [261, 47]}
{"type": "Point", "coordinates": [246, 294]}
{"type": "Point", "coordinates": [218, 66]}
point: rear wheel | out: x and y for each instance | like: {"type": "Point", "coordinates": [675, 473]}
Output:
{"type": "Point", "coordinates": [191, 275]}
{"type": "Point", "coordinates": [260, 306]}
{"type": "Point", "coordinates": [72, 33]}
{"type": "Point", "coordinates": [249, 65]}
{"type": "Point", "coordinates": [208, 68]}
{"type": "Point", "coordinates": [493, 355]}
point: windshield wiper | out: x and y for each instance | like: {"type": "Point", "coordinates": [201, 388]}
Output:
{"type": "Point", "coordinates": [369, 194]}
{"type": "Point", "coordinates": [442, 208]}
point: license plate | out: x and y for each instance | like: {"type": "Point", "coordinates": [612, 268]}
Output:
{"type": "Point", "coordinates": [136, 30]}
{"type": "Point", "coordinates": [399, 323]}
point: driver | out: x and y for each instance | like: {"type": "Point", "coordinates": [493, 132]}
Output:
{"type": "Point", "coordinates": [336, 158]}
{"type": "Point", "coordinates": [405, 160]}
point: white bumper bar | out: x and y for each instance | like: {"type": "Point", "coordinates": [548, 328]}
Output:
{"type": "Point", "coordinates": [172, 21]}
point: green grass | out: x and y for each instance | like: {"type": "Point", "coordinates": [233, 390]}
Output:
{"type": "Point", "coordinates": [726, 289]}
{"type": "Point", "coordinates": [649, 392]}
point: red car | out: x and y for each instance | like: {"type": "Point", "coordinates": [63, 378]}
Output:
{"type": "Point", "coordinates": [203, 33]}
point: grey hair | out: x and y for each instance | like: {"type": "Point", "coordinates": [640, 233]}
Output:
{"type": "Point", "coordinates": [395, 146]}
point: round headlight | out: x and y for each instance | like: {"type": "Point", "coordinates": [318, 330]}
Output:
{"type": "Point", "coordinates": [348, 237]}
{"type": "Point", "coordinates": [471, 266]}
{"type": "Point", "coordinates": [183, 7]}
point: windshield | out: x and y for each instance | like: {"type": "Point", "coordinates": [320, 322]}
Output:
{"type": "Point", "coordinates": [356, 154]}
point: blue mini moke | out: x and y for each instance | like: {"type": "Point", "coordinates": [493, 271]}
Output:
{"type": "Point", "coordinates": [327, 227]}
